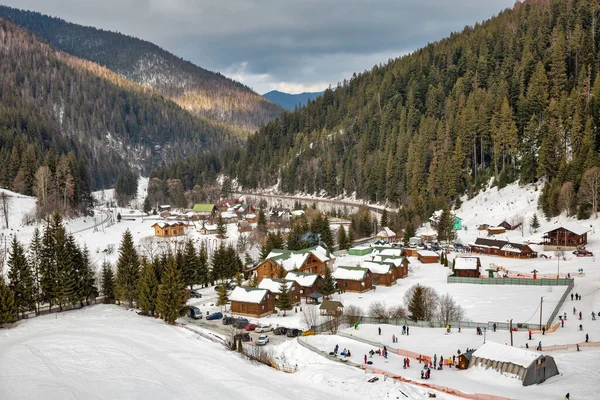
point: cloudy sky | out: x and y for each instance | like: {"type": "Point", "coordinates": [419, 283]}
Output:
{"type": "Point", "coordinates": [288, 45]}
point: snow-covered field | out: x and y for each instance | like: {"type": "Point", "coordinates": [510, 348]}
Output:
{"type": "Point", "coordinates": [106, 352]}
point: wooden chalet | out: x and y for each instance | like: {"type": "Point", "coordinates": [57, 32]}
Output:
{"type": "Point", "coordinates": [244, 209]}
{"type": "Point", "coordinates": [314, 260]}
{"type": "Point", "coordinates": [502, 248]}
{"type": "Point", "coordinates": [410, 252]}
{"type": "Point", "coordinates": [226, 204]}
{"type": "Point", "coordinates": [385, 274]}
{"type": "Point", "coordinates": [169, 229]}
{"type": "Point", "coordinates": [566, 237]}
{"type": "Point", "coordinates": [244, 226]}
{"type": "Point", "coordinates": [309, 283]}
{"type": "Point", "coordinates": [253, 302]}
{"type": "Point", "coordinates": [466, 267]}
{"type": "Point", "coordinates": [208, 229]}
{"type": "Point", "coordinates": [353, 279]}
{"type": "Point", "coordinates": [204, 212]}
{"type": "Point", "coordinates": [508, 226]}
{"type": "Point", "coordinates": [428, 257]}
{"type": "Point", "coordinates": [387, 234]}
{"type": "Point", "coordinates": [229, 217]}
{"type": "Point", "coordinates": [495, 230]}
{"type": "Point", "coordinates": [274, 286]}
{"type": "Point", "coordinates": [401, 264]}
{"type": "Point", "coordinates": [331, 308]}
{"type": "Point", "coordinates": [251, 218]}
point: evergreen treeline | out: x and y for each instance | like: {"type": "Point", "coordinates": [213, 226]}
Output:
{"type": "Point", "coordinates": [205, 93]}
{"type": "Point", "coordinates": [514, 98]}
{"type": "Point", "coordinates": [83, 123]}
{"type": "Point", "coordinates": [55, 271]}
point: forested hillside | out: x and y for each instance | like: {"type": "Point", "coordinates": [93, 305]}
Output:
{"type": "Point", "coordinates": [205, 93]}
{"type": "Point", "coordinates": [515, 98]}
{"type": "Point", "coordinates": [68, 126]}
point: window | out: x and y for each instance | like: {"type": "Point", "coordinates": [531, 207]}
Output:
{"type": "Point", "coordinates": [243, 306]}
{"type": "Point", "coordinates": [263, 308]}
{"type": "Point", "coordinates": [346, 284]}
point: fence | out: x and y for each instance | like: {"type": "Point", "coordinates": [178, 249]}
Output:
{"type": "Point", "coordinates": [512, 281]}
{"type": "Point", "coordinates": [568, 347]}
{"type": "Point", "coordinates": [330, 326]}
{"type": "Point", "coordinates": [560, 303]}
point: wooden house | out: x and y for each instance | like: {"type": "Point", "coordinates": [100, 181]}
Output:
{"type": "Point", "coordinates": [466, 267]}
{"type": "Point", "coordinates": [428, 257]}
{"type": "Point", "coordinates": [274, 286]}
{"type": "Point", "coordinates": [251, 218]}
{"type": "Point", "coordinates": [464, 359]}
{"type": "Point", "coordinates": [204, 212]}
{"type": "Point", "coordinates": [229, 217]}
{"type": "Point", "coordinates": [208, 229]}
{"type": "Point", "coordinates": [244, 209]}
{"type": "Point", "coordinates": [253, 302]}
{"type": "Point", "coordinates": [502, 248]}
{"type": "Point", "coordinates": [169, 229]}
{"type": "Point", "coordinates": [410, 252]}
{"type": "Point", "coordinates": [353, 279]}
{"type": "Point", "coordinates": [508, 226]}
{"type": "Point", "coordinates": [244, 226]}
{"type": "Point", "coordinates": [387, 234]}
{"type": "Point", "coordinates": [385, 274]}
{"type": "Point", "coordinates": [495, 230]}
{"type": "Point", "coordinates": [401, 264]}
{"type": "Point", "coordinates": [226, 204]}
{"type": "Point", "coordinates": [331, 308]}
{"type": "Point", "coordinates": [566, 237]}
{"type": "Point", "coordinates": [309, 283]}
{"type": "Point", "coordinates": [314, 260]}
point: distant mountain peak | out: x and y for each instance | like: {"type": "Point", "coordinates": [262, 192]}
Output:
{"type": "Point", "coordinates": [291, 101]}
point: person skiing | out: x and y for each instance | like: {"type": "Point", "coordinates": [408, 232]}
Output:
{"type": "Point", "coordinates": [379, 331]}
{"type": "Point", "coordinates": [404, 366]}
{"type": "Point", "coordinates": [335, 350]}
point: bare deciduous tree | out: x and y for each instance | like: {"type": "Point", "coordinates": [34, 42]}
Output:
{"type": "Point", "coordinates": [310, 316]}
{"type": "Point", "coordinates": [566, 198]}
{"type": "Point", "coordinates": [5, 207]}
{"type": "Point", "coordinates": [449, 310]}
{"type": "Point", "coordinates": [378, 310]}
{"type": "Point", "coordinates": [590, 186]}
{"type": "Point", "coordinates": [150, 246]}
{"type": "Point", "coordinates": [353, 314]}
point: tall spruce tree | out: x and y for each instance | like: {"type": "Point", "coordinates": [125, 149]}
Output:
{"type": "Point", "coordinates": [535, 223]}
{"type": "Point", "coordinates": [222, 295]}
{"type": "Point", "coordinates": [202, 273]}
{"type": "Point", "coordinates": [147, 293]}
{"type": "Point", "coordinates": [329, 284]}
{"type": "Point", "coordinates": [342, 238]}
{"type": "Point", "coordinates": [190, 264]}
{"type": "Point", "coordinates": [128, 269]}
{"type": "Point", "coordinates": [34, 259]}
{"type": "Point", "coordinates": [108, 283]}
{"type": "Point", "coordinates": [22, 280]}
{"type": "Point", "coordinates": [221, 226]}
{"type": "Point", "coordinates": [8, 311]}
{"type": "Point", "coordinates": [416, 303]}
{"type": "Point", "coordinates": [284, 299]}
{"type": "Point", "coordinates": [170, 303]}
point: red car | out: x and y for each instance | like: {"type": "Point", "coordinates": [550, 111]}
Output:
{"type": "Point", "coordinates": [251, 327]}
{"type": "Point", "coordinates": [583, 253]}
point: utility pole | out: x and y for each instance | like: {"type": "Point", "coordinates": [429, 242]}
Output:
{"type": "Point", "coordinates": [541, 304]}
{"type": "Point", "coordinates": [511, 332]}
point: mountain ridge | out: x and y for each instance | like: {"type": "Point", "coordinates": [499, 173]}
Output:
{"type": "Point", "coordinates": [205, 93]}
{"type": "Point", "coordinates": [291, 101]}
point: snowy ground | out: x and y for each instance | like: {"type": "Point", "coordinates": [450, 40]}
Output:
{"type": "Point", "coordinates": [106, 352]}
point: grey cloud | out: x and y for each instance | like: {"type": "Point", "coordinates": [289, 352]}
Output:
{"type": "Point", "coordinates": [299, 42]}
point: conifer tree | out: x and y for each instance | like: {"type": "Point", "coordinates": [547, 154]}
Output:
{"type": "Point", "coordinates": [351, 237]}
{"type": "Point", "coordinates": [34, 259]}
{"type": "Point", "coordinates": [108, 283]}
{"type": "Point", "coordinates": [22, 281]}
{"type": "Point", "coordinates": [222, 295]}
{"type": "Point", "coordinates": [48, 268]}
{"type": "Point", "coordinates": [535, 223]}
{"type": "Point", "coordinates": [170, 303]}
{"type": "Point", "coordinates": [202, 273]}
{"type": "Point", "coordinates": [384, 218]}
{"type": "Point", "coordinates": [147, 289]}
{"type": "Point", "coordinates": [90, 289]}
{"type": "Point", "coordinates": [342, 238]}
{"type": "Point", "coordinates": [284, 299]}
{"type": "Point", "coordinates": [329, 284]}
{"type": "Point", "coordinates": [445, 226]}
{"type": "Point", "coordinates": [8, 311]}
{"type": "Point", "coordinates": [190, 264]}
{"type": "Point", "coordinates": [221, 226]}
{"type": "Point", "coordinates": [147, 206]}
{"type": "Point", "coordinates": [128, 269]}
{"type": "Point", "coordinates": [416, 303]}
{"type": "Point", "coordinates": [262, 221]}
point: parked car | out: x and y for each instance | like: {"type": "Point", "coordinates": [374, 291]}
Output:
{"type": "Point", "coordinates": [262, 340]}
{"type": "Point", "coordinates": [215, 315]}
{"type": "Point", "coordinates": [229, 320]}
{"type": "Point", "coordinates": [435, 246]}
{"type": "Point", "coordinates": [244, 336]}
{"type": "Point", "coordinates": [459, 246]}
{"type": "Point", "coordinates": [280, 330]}
{"type": "Point", "coordinates": [263, 328]}
{"type": "Point", "coordinates": [240, 323]}
{"type": "Point", "coordinates": [228, 285]}
{"type": "Point", "coordinates": [251, 327]}
{"type": "Point", "coordinates": [293, 332]}
{"type": "Point", "coordinates": [195, 313]}
{"type": "Point", "coordinates": [194, 294]}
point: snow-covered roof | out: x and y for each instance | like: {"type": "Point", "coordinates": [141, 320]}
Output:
{"type": "Point", "coordinates": [291, 260]}
{"type": "Point", "coordinates": [248, 295]}
{"type": "Point", "coordinates": [466, 263]}
{"type": "Point", "coordinates": [249, 215]}
{"type": "Point", "coordinates": [512, 248]}
{"type": "Point", "coordinates": [388, 252]}
{"type": "Point", "coordinates": [427, 253]}
{"type": "Point", "coordinates": [210, 227]}
{"type": "Point", "coordinates": [377, 268]}
{"type": "Point", "coordinates": [303, 279]}
{"type": "Point", "coordinates": [350, 273]}
{"type": "Point", "coordinates": [298, 213]}
{"type": "Point", "coordinates": [386, 232]}
{"type": "Point", "coordinates": [571, 227]}
{"type": "Point", "coordinates": [274, 284]}
{"type": "Point", "coordinates": [228, 215]}
{"type": "Point", "coordinates": [506, 354]}
{"type": "Point", "coordinates": [165, 224]}
{"type": "Point", "coordinates": [496, 228]}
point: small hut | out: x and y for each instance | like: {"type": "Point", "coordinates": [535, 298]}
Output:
{"type": "Point", "coordinates": [331, 308]}
{"type": "Point", "coordinates": [464, 359]}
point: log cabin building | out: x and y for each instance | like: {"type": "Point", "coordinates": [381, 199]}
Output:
{"type": "Point", "coordinates": [169, 229]}
{"type": "Point", "coordinates": [274, 286]}
{"type": "Point", "coordinates": [353, 279]}
{"type": "Point", "coordinates": [566, 237]}
{"type": "Point", "coordinates": [313, 260]}
{"type": "Point", "coordinates": [502, 248]}
{"type": "Point", "coordinates": [253, 302]}
{"type": "Point", "coordinates": [466, 267]}
{"type": "Point", "coordinates": [309, 283]}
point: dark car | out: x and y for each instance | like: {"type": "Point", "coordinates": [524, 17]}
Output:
{"type": "Point", "coordinates": [459, 246]}
{"type": "Point", "coordinates": [435, 247]}
{"type": "Point", "coordinates": [280, 330]}
{"type": "Point", "coordinates": [228, 285]}
{"type": "Point", "coordinates": [215, 315]}
{"type": "Point", "coordinates": [195, 312]}
{"type": "Point", "coordinates": [241, 323]}
{"type": "Point", "coordinates": [244, 336]}
{"type": "Point", "coordinates": [195, 294]}
{"type": "Point", "coordinates": [293, 332]}
{"type": "Point", "coordinates": [229, 320]}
